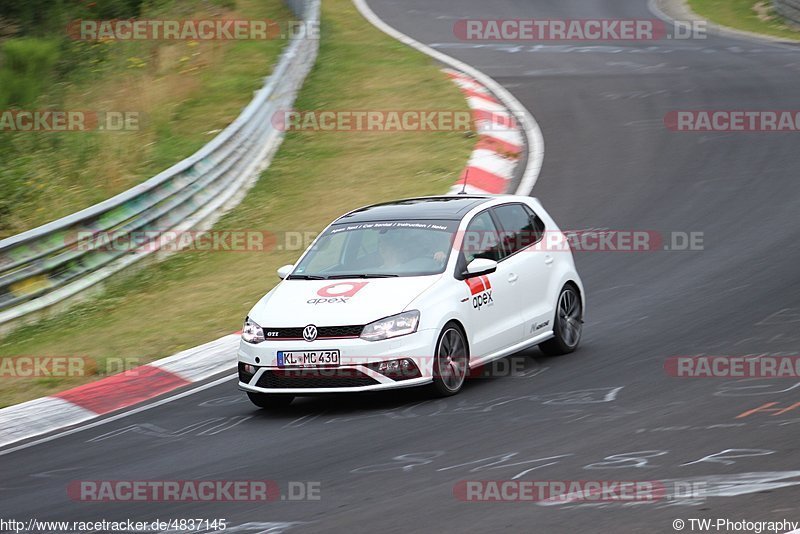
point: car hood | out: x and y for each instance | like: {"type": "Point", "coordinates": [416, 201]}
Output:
{"type": "Point", "coordinates": [295, 303]}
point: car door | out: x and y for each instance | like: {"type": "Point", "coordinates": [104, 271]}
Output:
{"type": "Point", "coordinates": [492, 316]}
{"type": "Point", "coordinates": [528, 265]}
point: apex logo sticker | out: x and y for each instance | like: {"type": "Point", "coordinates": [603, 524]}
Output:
{"type": "Point", "coordinates": [481, 289]}
{"type": "Point", "coordinates": [338, 293]}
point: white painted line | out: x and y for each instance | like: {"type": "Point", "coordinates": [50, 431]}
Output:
{"type": "Point", "coordinates": [532, 130]}
{"type": "Point", "coordinates": [39, 416]}
{"type": "Point", "coordinates": [47, 414]}
{"type": "Point", "coordinates": [126, 413]}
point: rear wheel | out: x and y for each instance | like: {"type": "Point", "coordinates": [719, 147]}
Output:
{"type": "Point", "coordinates": [568, 324]}
{"type": "Point", "coordinates": [450, 362]}
{"type": "Point", "coordinates": [270, 402]}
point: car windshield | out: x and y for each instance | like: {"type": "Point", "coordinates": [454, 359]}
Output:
{"type": "Point", "coordinates": [379, 249]}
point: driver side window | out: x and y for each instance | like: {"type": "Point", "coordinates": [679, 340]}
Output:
{"type": "Point", "coordinates": [481, 239]}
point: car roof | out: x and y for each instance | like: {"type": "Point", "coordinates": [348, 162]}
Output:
{"type": "Point", "coordinates": [444, 208]}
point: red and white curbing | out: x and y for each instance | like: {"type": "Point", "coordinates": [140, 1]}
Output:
{"type": "Point", "coordinates": [490, 170]}
{"type": "Point", "coordinates": [94, 399]}
{"type": "Point", "coordinates": [500, 141]}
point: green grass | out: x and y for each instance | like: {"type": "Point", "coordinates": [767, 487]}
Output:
{"type": "Point", "coordinates": [184, 91]}
{"type": "Point", "coordinates": [748, 15]}
{"type": "Point", "coordinates": [194, 297]}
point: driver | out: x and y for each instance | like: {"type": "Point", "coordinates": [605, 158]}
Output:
{"type": "Point", "coordinates": [395, 255]}
{"type": "Point", "coordinates": [390, 252]}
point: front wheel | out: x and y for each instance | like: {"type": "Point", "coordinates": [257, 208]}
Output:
{"type": "Point", "coordinates": [450, 362]}
{"type": "Point", "coordinates": [270, 402]}
{"type": "Point", "coordinates": [568, 324]}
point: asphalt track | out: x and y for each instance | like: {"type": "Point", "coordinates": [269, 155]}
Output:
{"type": "Point", "coordinates": [389, 462]}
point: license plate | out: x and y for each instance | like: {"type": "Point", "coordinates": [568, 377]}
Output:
{"type": "Point", "coordinates": [307, 358]}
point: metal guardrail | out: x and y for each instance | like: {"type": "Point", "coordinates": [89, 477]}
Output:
{"type": "Point", "coordinates": [59, 260]}
{"type": "Point", "coordinates": [789, 9]}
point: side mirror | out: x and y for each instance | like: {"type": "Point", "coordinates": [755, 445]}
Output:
{"type": "Point", "coordinates": [481, 266]}
{"type": "Point", "coordinates": [285, 271]}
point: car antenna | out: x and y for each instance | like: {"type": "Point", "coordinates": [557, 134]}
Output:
{"type": "Point", "coordinates": [464, 187]}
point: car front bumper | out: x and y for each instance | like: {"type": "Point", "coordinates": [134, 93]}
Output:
{"type": "Point", "coordinates": [351, 375]}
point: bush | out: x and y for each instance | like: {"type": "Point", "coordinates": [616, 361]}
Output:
{"type": "Point", "coordinates": [35, 17]}
{"type": "Point", "coordinates": [50, 17]}
{"type": "Point", "coordinates": [27, 64]}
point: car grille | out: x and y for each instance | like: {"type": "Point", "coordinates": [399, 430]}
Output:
{"type": "Point", "coordinates": [323, 332]}
{"type": "Point", "coordinates": [314, 378]}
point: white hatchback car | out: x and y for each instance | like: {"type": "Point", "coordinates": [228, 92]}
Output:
{"type": "Point", "coordinates": [413, 292]}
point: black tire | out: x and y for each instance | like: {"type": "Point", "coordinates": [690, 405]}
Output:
{"type": "Point", "coordinates": [270, 402]}
{"type": "Point", "coordinates": [567, 324]}
{"type": "Point", "coordinates": [451, 361]}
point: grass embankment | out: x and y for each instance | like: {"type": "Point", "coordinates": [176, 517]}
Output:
{"type": "Point", "coordinates": [184, 92]}
{"type": "Point", "coordinates": [194, 297]}
{"type": "Point", "coordinates": [747, 15]}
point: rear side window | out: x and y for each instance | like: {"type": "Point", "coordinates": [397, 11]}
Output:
{"type": "Point", "coordinates": [521, 227]}
{"type": "Point", "coordinates": [481, 239]}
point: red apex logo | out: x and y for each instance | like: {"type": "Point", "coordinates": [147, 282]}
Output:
{"type": "Point", "coordinates": [342, 289]}
{"type": "Point", "coordinates": [479, 284]}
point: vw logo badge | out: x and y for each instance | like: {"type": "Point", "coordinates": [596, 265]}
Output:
{"type": "Point", "coordinates": [310, 333]}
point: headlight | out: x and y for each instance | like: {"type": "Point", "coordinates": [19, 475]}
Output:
{"type": "Point", "coordinates": [251, 332]}
{"type": "Point", "coordinates": [396, 325]}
